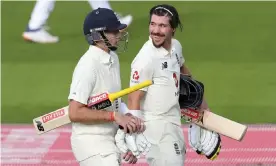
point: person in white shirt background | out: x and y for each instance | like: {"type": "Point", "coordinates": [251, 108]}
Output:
{"type": "Point", "coordinates": [36, 31]}
{"type": "Point", "coordinates": [98, 70]}
{"type": "Point", "coordinates": [161, 60]}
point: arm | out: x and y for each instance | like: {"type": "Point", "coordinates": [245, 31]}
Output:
{"type": "Point", "coordinates": [134, 106]}
{"type": "Point", "coordinates": [185, 70]}
{"type": "Point", "coordinates": [134, 99]}
{"type": "Point", "coordinates": [79, 112]}
{"type": "Point", "coordinates": [141, 70]}
{"type": "Point", "coordinates": [81, 88]}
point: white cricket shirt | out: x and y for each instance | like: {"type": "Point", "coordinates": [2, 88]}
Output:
{"type": "Point", "coordinates": [163, 67]}
{"type": "Point", "coordinates": [96, 72]}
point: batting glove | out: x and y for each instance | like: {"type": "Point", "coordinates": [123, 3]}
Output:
{"type": "Point", "coordinates": [136, 143]}
{"type": "Point", "coordinates": [120, 141]}
{"type": "Point", "coordinates": [126, 142]}
{"type": "Point", "coordinates": [142, 143]}
{"type": "Point", "coordinates": [131, 144]}
{"type": "Point", "coordinates": [204, 141]}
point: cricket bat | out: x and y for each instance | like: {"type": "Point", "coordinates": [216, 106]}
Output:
{"type": "Point", "coordinates": [60, 117]}
{"type": "Point", "coordinates": [211, 121]}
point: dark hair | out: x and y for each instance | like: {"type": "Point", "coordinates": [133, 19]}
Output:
{"type": "Point", "coordinates": [167, 10]}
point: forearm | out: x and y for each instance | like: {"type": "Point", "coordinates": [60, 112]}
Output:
{"type": "Point", "coordinates": [185, 70]}
{"type": "Point", "coordinates": [134, 105]}
{"type": "Point", "coordinates": [134, 101]}
{"type": "Point", "coordinates": [90, 116]}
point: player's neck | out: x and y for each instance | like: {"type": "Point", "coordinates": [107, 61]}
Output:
{"type": "Point", "coordinates": [167, 45]}
{"type": "Point", "coordinates": [103, 47]}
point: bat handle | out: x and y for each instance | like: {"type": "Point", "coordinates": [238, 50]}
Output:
{"type": "Point", "coordinates": [122, 128]}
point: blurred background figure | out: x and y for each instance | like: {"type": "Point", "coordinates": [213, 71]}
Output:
{"type": "Point", "coordinates": [36, 30]}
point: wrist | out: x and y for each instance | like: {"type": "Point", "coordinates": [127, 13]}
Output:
{"type": "Point", "coordinates": [112, 116]}
{"type": "Point", "coordinates": [136, 113]}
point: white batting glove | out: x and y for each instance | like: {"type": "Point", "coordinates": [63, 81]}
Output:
{"type": "Point", "coordinates": [131, 144]}
{"type": "Point", "coordinates": [126, 142]}
{"type": "Point", "coordinates": [143, 144]}
{"type": "Point", "coordinates": [204, 141]}
{"type": "Point", "coordinates": [120, 141]}
{"type": "Point", "coordinates": [137, 143]}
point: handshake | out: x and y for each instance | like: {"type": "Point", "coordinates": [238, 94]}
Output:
{"type": "Point", "coordinates": [130, 139]}
{"type": "Point", "coordinates": [132, 145]}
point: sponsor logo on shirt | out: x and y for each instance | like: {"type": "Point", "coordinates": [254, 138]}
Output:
{"type": "Point", "coordinates": [164, 65]}
{"type": "Point", "coordinates": [135, 77]}
{"type": "Point", "coordinates": [176, 148]}
{"type": "Point", "coordinates": [177, 59]}
{"type": "Point", "coordinates": [175, 79]}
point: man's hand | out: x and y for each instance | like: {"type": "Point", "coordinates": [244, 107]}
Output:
{"type": "Point", "coordinates": [129, 123]}
{"type": "Point", "coordinates": [204, 141]}
{"type": "Point", "coordinates": [140, 123]}
{"type": "Point", "coordinates": [130, 158]}
{"type": "Point", "coordinates": [136, 143]}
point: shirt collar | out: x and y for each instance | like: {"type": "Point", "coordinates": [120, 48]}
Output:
{"type": "Point", "coordinates": [103, 56]}
{"type": "Point", "coordinates": [162, 50]}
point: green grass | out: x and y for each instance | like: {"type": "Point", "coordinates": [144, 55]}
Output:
{"type": "Point", "coordinates": [230, 46]}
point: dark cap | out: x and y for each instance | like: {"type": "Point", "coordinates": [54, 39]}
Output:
{"type": "Point", "coordinates": [102, 19]}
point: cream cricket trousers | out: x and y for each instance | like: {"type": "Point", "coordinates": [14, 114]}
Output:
{"type": "Point", "coordinates": [113, 159]}
{"type": "Point", "coordinates": [168, 144]}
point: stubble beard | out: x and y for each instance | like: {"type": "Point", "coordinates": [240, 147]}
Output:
{"type": "Point", "coordinates": [158, 45]}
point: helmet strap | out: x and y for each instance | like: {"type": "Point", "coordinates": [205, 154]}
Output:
{"type": "Point", "coordinates": [106, 41]}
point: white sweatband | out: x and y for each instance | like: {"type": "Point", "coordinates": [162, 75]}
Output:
{"type": "Point", "coordinates": [124, 110]}
{"type": "Point", "coordinates": [136, 113]}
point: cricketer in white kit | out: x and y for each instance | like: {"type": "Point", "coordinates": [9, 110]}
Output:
{"type": "Point", "coordinates": [161, 60]}
{"type": "Point", "coordinates": [98, 71]}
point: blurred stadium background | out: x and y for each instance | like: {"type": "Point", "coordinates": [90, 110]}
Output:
{"type": "Point", "coordinates": [230, 46]}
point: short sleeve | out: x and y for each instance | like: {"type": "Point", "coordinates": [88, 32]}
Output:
{"type": "Point", "coordinates": [182, 60]}
{"type": "Point", "coordinates": [179, 50]}
{"type": "Point", "coordinates": [141, 70]}
{"type": "Point", "coordinates": [82, 87]}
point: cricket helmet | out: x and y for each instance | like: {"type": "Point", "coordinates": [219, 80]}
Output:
{"type": "Point", "coordinates": [100, 21]}
{"type": "Point", "coordinates": [190, 93]}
